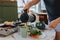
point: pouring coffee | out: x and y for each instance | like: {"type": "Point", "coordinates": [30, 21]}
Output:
{"type": "Point", "coordinates": [26, 17]}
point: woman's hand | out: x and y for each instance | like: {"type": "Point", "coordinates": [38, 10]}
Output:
{"type": "Point", "coordinates": [54, 23]}
{"type": "Point", "coordinates": [30, 4]}
{"type": "Point", "coordinates": [26, 8]}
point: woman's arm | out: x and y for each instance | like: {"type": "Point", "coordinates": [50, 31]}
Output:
{"type": "Point", "coordinates": [58, 20]}
{"type": "Point", "coordinates": [54, 23]}
{"type": "Point", "coordinates": [30, 4]}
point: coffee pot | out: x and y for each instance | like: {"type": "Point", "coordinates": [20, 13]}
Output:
{"type": "Point", "coordinates": [27, 17]}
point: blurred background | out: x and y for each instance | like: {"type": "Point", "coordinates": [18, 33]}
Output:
{"type": "Point", "coordinates": [36, 8]}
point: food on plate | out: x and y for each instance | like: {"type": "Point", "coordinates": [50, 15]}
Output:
{"type": "Point", "coordinates": [8, 24]}
{"type": "Point", "coordinates": [35, 36]}
{"type": "Point", "coordinates": [35, 33]}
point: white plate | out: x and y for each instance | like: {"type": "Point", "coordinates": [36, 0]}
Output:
{"type": "Point", "coordinates": [2, 24]}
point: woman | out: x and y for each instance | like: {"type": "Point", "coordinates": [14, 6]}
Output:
{"type": "Point", "coordinates": [53, 10]}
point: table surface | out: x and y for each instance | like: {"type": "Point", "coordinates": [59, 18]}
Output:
{"type": "Point", "coordinates": [46, 35]}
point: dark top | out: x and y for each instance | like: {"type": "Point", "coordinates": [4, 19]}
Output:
{"type": "Point", "coordinates": [53, 8]}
